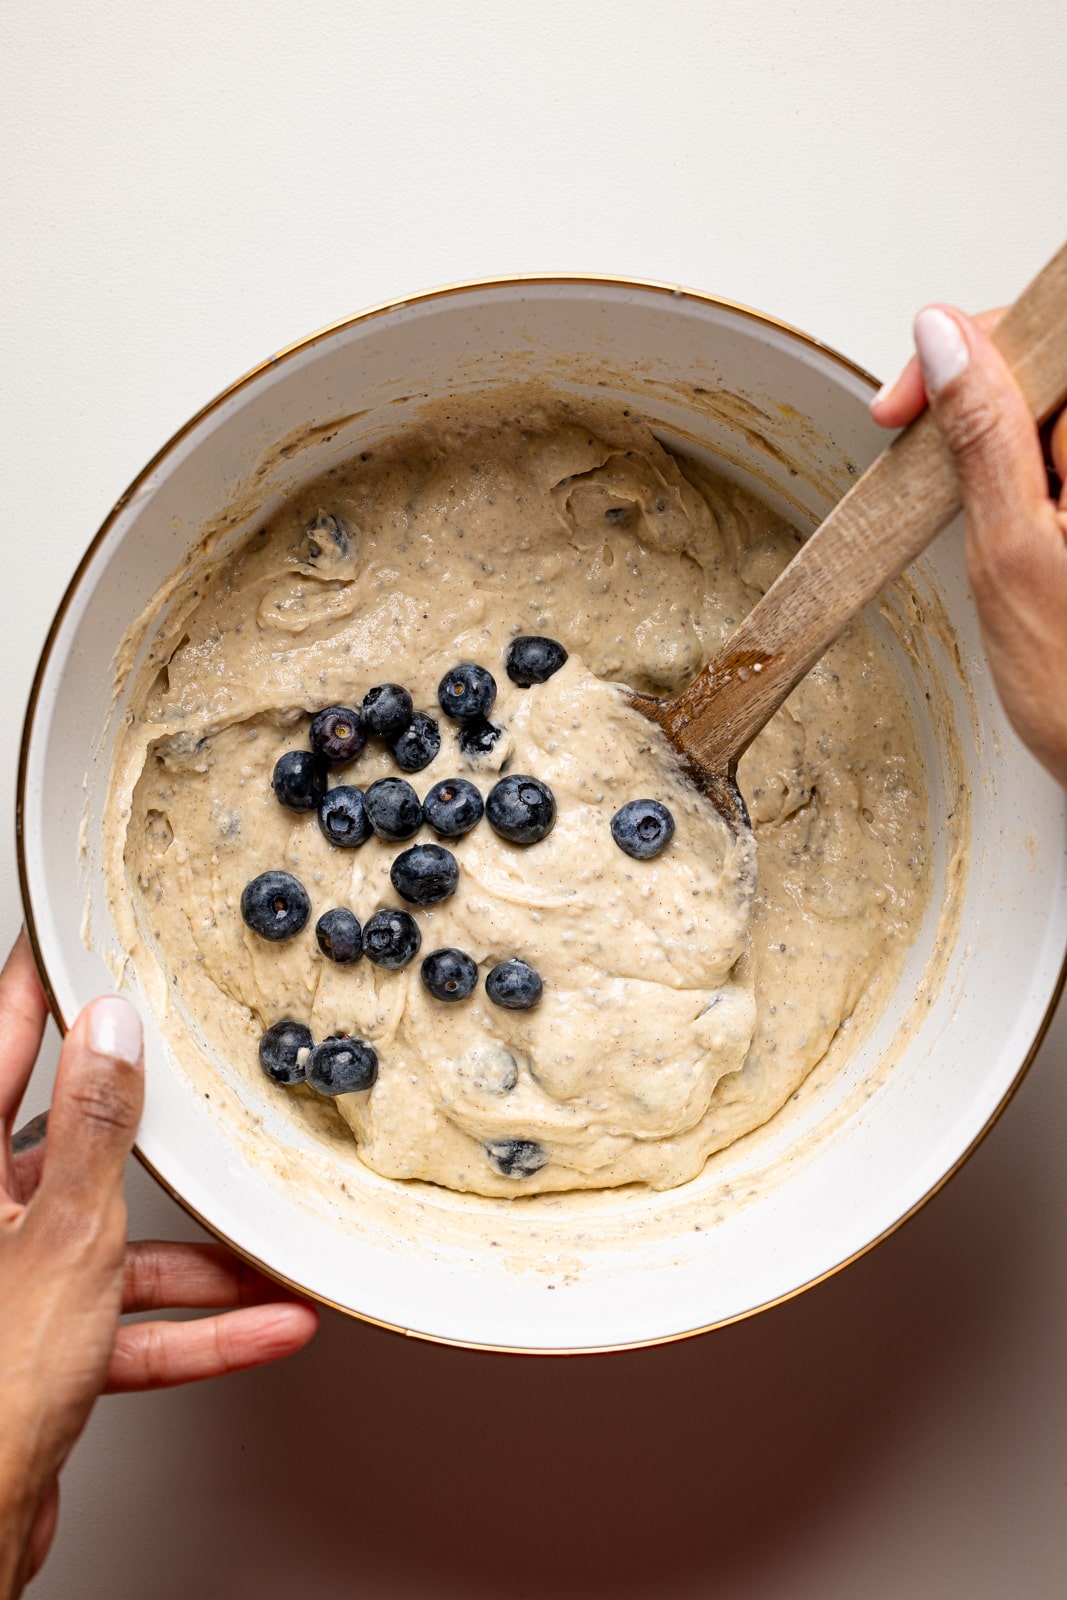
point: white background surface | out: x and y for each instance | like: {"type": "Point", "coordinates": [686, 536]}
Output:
{"type": "Point", "coordinates": [185, 190]}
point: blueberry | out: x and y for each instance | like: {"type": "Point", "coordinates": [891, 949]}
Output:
{"type": "Point", "coordinates": [453, 807]}
{"type": "Point", "coordinates": [521, 809]}
{"type": "Point", "coordinates": [449, 974]}
{"type": "Point", "coordinates": [425, 874]}
{"type": "Point", "coordinates": [339, 936]}
{"type": "Point", "coordinates": [514, 1158]}
{"type": "Point", "coordinates": [417, 745]}
{"type": "Point", "coordinates": [275, 905]}
{"type": "Point", "coordinates": [393, 808]}
{"type": "Point", "coordinates": [532, 659]}
{"type": "Point", "coordinates": [387, 710]}
{"type": "Point", "coordinates": [327, 533]}
{"type": "Point", "coordinates": [279, 1051]}
{"type": "Point", "coordinates": [342, 1066]}
{"type": "Point", "coordinates": [391, 939]}
{"type": "Point", "coordinates": [467, 692]}
{"type": "Point", "coordinates": [343, 817]}
{"type": "Point", "coordinates": [336, 734]}
{"type": "Point", "coordinates": [489, 1068]}
{"type": "Point", "coordinates": [642, 828]}
{"type": "Point", "coordinates": [514, 985]}
{"type": "Point", "coordinates": [478, 737]}
{"type": "Point", "coordinates": [299, 779]}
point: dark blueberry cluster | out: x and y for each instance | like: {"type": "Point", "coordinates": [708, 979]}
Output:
{"type": "Point", "coordinates": [339, 735]}
{"type": "Point", "coordinates": [451, 974]}
{"type": "Point", "coordinates": [339, 1065]}
{"type": "Point", "coordinates": [519, 807]}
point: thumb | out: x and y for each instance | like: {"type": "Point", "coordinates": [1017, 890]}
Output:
{"type": "Point", "coordinates": [993, 440]}
{"type": "Point", "coordinates": [96, 1106]}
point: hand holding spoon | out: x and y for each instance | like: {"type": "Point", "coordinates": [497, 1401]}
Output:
{"type": "Point", "coordinates": [885, 520]}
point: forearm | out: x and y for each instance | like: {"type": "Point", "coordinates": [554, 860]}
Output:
{"type": "Point", "coordinates": [19, 1504]}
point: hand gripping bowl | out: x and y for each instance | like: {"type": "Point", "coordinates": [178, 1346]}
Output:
{"type": "Point", "coordinates": [860, 1148]}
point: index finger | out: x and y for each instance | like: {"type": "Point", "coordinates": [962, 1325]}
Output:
{"type": "Point", "coordinates": [899, 402]}
{"type": "Point", "coordinates": [23, 1010]}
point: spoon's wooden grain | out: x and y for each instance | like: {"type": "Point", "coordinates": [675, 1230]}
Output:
{"type": "Point", "coordinates": [886, 519]}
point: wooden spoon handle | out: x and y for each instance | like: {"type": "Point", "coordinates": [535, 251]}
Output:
{"type": "Point", "coordinates": [885, 520]}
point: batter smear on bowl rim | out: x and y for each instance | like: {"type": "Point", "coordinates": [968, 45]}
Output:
{"type": "Point", "coordinates": [396, 840]}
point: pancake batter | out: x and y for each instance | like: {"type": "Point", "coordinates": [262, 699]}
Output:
{"type": "Point", "coordinates": [678, 1011]}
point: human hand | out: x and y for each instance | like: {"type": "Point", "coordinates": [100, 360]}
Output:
{"type": "Point", "coordinates": [1016, 533]}
{"type": "Point", "coordinates": [67, 1273]}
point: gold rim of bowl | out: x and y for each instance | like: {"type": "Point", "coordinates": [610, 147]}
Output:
{"type": "Point", "coordinates": [466, 286]}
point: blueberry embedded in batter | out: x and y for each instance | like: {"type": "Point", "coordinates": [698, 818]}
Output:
{"type": "Point", "coordinates": [340, 1065]}
{"type": "Point", "coordinates": [453, 807]}
{"type": "Point", "coordinates": [283, 1051]}
{"type": "Point", "coordinates": [467, 693]}
{"type": "Point", "coordinates": [642, 828]}
{"type": "Point", "coordinates": [339, 936]}
{"type": "Point", "coordinates": [343, 817]}
{"type": "Point", "coordinates": [416, 746]}
{"type": "Point", "coordinates": [299, 780]}
{"type": "Point", "coordinates": [275, 905]}
{"type": "Point", "coordinates": [521, 809]}
{"type": "Point", "coordinates": [387, 710]}
{"type": "Point", "coordinates": [425, 874]}
{"type": "Point", "coordinates": [337, 734]}
{"type": "Point", "coordinates": [391, 939]}
{"type": "Point", "coordinates": [449, 974]}
{"type": "Point", "coordinates": [393, 809]}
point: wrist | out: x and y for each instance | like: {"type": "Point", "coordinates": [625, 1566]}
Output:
{"type": "Point", "coordinates": [17, 1512]}
{"type": "Point", "coordinates": [21, 1491]}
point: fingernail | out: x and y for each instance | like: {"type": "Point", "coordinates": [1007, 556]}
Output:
{"type": "Point", "coordinates": [943, 352]}
{"type": "Point", "coordinates": [884, 391]}
{"type": "Point", "coordinates": [115, 1029]}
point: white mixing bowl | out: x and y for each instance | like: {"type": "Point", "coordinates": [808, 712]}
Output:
{"type": "Point", "coordinates": [862, 1147]}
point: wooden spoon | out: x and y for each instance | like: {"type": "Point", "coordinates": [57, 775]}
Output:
{"type": "Point", "coordinates": [885, 520]}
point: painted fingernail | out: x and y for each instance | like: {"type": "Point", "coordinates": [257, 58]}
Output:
{"type": "Point", "coordinates": [943, 352]}
{"type": "Point", "coordinates": [115, 1029]}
